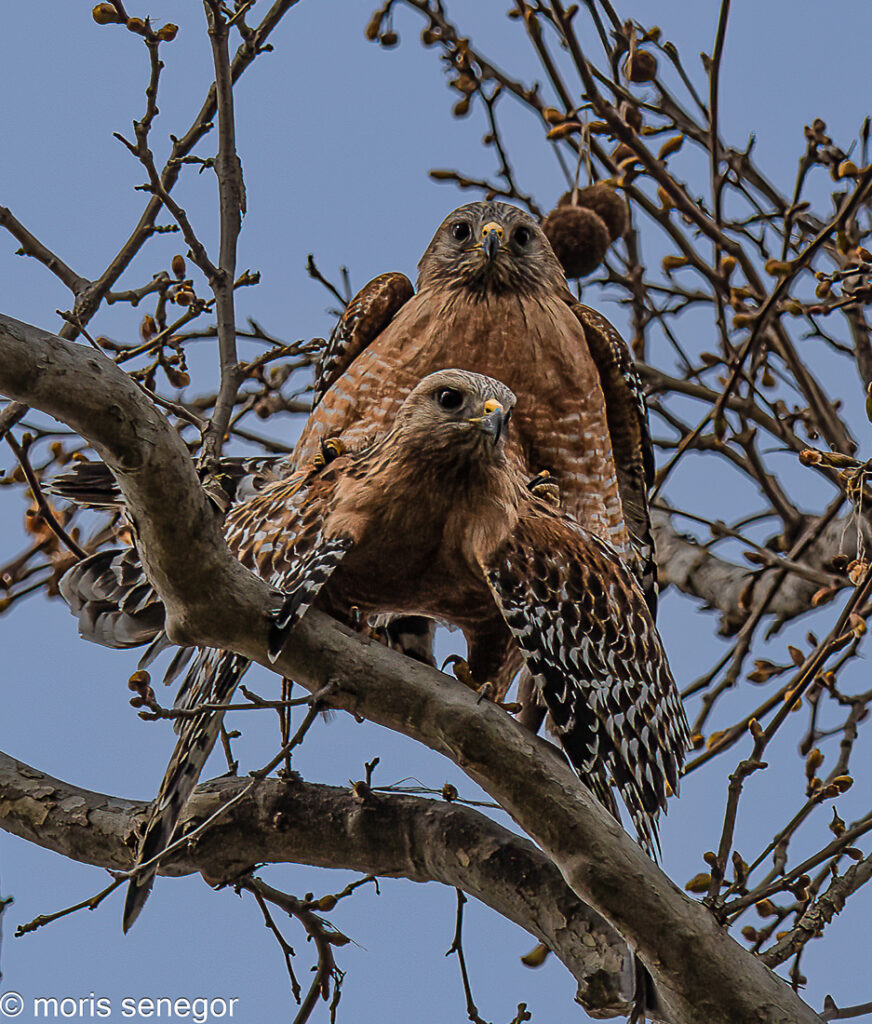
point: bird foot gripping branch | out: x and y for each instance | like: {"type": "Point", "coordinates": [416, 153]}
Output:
{"type": "Point", "coordinates": [487, 691]}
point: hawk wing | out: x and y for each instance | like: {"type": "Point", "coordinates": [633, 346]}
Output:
{"type": "Point", "coordinates": [365, 317]}
{"type": "Point", "coordinates": [278, 534]}
{"type": "Point", "coordinates": [109, 592]}
{"type": "Point", "coordinates": [92, 485]}
{"type": "Point", "coordinates": [590, 642]}
{"type": "Point", "coordinates": [113, 599]}
{"type": "Point", "coordinates": [627, 417]}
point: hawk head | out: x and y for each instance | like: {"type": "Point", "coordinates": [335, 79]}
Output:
{"type": "Point", "coordinates": [456, 415]}
{"type": "Point", "coordinates": [490, 248]}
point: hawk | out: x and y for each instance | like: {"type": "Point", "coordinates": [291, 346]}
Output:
{"type": "Point", "coordinates": [436, 518]}
{"type": "Point", "coordinates": [492, 298]}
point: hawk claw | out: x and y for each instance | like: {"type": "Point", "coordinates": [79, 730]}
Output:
{"type": "Point", "coordinates": [544, 486]}
{"type": "Point", "coordinates": [485, 692]}
{"type": "Point", "coordinates": [330, 449]}
{"type": "Point", "coordinates": [461, 670]}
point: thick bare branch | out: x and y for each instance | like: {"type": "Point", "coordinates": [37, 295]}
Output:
{"type": "Point", "coordinates": [697, 572]}
{"type": "Point", "coordinates": [302, 823]}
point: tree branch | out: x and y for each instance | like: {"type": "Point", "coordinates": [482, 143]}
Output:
{"type": "Point", "coordinates": [696, 571]}
{"type": "Point", "coordinates": [700, 972]}
{"type": "Point", "coordinates": [231, 191]}
{"type": "Point", "coordinates": [302, 823]}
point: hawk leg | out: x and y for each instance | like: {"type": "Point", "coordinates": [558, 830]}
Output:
{"type": "Point", "coordinates": [411, 635]}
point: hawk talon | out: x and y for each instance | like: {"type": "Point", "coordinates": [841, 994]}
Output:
{"type": "Point", "coordinates": [485, 692]}
{"type": "Point", "coordinates": [330, 449]}
{"type": "Point", "coordinates": [544, 486]}
{"type": "Point", "coordinates": [461, 671]}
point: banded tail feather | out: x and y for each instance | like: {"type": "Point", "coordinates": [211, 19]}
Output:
{"type": "Point", "coordinates": [212, 679]}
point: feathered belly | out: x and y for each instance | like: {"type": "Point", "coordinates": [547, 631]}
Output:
{"type": "Point", "coordinates": [537, 348]}
{"type": "Point", "coordinates": [414, 583]}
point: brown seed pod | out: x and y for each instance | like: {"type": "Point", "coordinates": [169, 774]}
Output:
{"type": "Point", "coordinates": [641, 66]}
{"type": "Point", "coordinates": [536, 957]}
{"type": "Point", "coordinates": [178, 378]}
{"type": "Point", "coordinates": [105, 14]}
{"type": "Point", "coordinates": [579, 238]}
{"type": "Point", "coordinates": [622, 152]}
{"type": "Point", "coordinates": [560, 131]}
{"type": "Point", "coordinates": [604, 201]}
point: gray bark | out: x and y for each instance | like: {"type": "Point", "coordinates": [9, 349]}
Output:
{"type": "Point", "coordinates": [299, 822]}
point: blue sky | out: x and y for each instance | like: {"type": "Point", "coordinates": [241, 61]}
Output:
{"type": "Point", "coordinates": [336, 137]}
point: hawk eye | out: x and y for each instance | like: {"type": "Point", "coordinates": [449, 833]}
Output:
{"type": "Point", "coordinates": [461, 230]}
{"type": "Point", "coordinates": [522, 237]}
{"type": "Point", "coordinates": [449, 398]}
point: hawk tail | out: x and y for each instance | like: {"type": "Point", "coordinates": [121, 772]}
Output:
{"type": "Point", "coordinates": [211, 679]}
{"type": "Point", "coordinates": [412, 635]}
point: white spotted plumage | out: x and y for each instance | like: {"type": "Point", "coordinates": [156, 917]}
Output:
{"type": "Point", "coordinates": [591, 645]}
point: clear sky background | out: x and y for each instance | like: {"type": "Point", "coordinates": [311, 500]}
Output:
{"type": "Point", "coordinates": [336, 136]}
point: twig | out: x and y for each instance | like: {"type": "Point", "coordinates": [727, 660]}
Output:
{"type": "Point", "coordinates": [457, 947]}
{"type": "Point", "coordinates": [231, 192]}
{"type": "Point", "coordinates": [287, 950]}
{"type": "Point", "coordinates": [89, 904]}
{"type": "Point", "coordinates": [833, 1012]}
{"type": "Point", "coordinates": [313, 272]}
{"type": "Point", "coordinates": [44, 508]}
{"type": "Point", "coordinates": [324, 937]}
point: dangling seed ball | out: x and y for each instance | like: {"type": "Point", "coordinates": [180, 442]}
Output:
{"type": "Point", "coordinates": [579, 238]}
{"type": "Point", "coordinates": [641, 67]}
{"type": "Point", "coordinates": [605, 202]}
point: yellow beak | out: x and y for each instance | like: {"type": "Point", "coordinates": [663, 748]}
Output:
{"type": "Point", "coordinates": [491, 239]}
{"type": "Point", "coordinates": [493, 421]}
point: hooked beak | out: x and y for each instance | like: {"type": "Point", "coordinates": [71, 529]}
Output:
{"type": "Point", "coordinates": [491, 240]}
{"type": "Point", "coordinates": [493, 422]}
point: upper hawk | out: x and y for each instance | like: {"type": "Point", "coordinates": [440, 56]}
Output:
{"type": "Point", "coordinates": [492, 298]}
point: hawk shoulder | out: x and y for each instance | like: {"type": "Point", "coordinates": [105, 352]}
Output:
{"type": "Point", "coordinates": [365, 317]}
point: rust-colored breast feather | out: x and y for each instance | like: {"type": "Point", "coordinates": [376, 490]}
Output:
{"type": "Point", "coordinates": [536, 346]}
